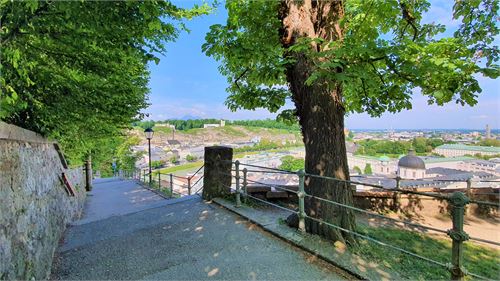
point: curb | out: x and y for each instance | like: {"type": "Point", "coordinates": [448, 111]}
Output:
{"type": "Point", "coordinates": [297, 239]}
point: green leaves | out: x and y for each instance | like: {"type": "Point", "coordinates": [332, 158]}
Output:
{"type": "Point", "coordinates": [77, 70]}
{"type": "Point", "coordinates": [387, 52]}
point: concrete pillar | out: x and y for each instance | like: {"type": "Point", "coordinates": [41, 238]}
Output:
{"type": "Point", "coordinates": [217, 174]}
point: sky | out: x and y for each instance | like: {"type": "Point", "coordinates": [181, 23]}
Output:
{"type": "Point", "coordinates": [186, 84]}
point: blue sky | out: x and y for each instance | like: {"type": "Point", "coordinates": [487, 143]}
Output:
{"type": "Point", "coordinates": [188, 83]}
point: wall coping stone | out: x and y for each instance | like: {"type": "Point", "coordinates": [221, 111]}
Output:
{"type": "Point", "coordinates": [12, 132]}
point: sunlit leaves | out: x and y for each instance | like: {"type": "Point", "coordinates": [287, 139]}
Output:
{"type": "Point", "coordinates": [77, 70]}
{"type": "Point", "coordinates": [387, 52]}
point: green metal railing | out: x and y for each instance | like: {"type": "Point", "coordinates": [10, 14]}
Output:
{"type": "Point", "coordinates": [169, 178]}
{"type": "Point", "coordinates": [457, 200]}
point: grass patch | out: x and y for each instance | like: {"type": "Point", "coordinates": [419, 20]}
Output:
{"type": "Point", "coordinates": [165, 130]}
{"type": "Point", "coordinates": [477, 259]}
{"type": "Point", "coordinates": [183, 167]}
{"type": "Point", "coordinates": [231, 131]}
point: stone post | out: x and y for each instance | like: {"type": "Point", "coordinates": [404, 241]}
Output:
{"type": "Point", "coordinates": [217, 172]}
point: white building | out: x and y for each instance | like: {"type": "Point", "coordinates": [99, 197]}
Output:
{"type": "Point", "coordinates": [454, 150]}
{"type": "Point", "coordinates": [221, 124]}
{"type": "Point", "coordinates": [411, 166]}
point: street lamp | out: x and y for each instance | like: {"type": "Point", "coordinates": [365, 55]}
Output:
{"type": "Point", "coordinates": [149, 135]}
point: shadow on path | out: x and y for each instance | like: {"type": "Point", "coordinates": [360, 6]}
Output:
{"type": "Point", "coordinates": [153, 238]}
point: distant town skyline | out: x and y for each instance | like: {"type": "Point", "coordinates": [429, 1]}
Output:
{"type": "Point", "coordinates": [187, 83]}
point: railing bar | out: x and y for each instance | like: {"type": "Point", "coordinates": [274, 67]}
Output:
{"type": "Point", "coordinates": [198, 180]}
{"type": "Point", "coordinates": [379, 186]}
{"type": "Point", "coordinates": [380, 242]}
{"type": "Point", "coordinates": [377, 215]}
{"type": "Point", "coordinates": [199, 169]}
{"type": "Point", "coordinates": [268, 172]}
{"type": "Point", "coordinates": [268, 168]}
{"type": "Point", "coordinates": [484, 241]}
{"type": "Point", "coordinates": [272, 204]}
{"type": "Point", "coordinates": [485, 203]}
{"type": "Point", "coordinates": [275, 186]}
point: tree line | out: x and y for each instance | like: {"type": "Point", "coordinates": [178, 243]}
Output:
{"type": "Point", "coordinates": [199, 123]}
{"type": "Point", "coordinates": [376, 147]}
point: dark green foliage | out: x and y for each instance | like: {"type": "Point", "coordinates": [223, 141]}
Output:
{"type": "Point", "coordinates": [157, 164]}
{"type": "Point", "coordinates": [76, 71]}
{"type": "Point", "coordinates": [267, 123]}
{"type": "Point", "coordinates": [191, 158]}
{"type": "Point", "coordinates": [291, 163]}
{"type": "Point", "coordinates": [489, 142]}
{"type": "Point", "coordinates": [386, 53]}
{"type": "Point", "coordinates": [174, 159]}
{"type": "Point", "coordinates": [396, 148]}
{"type": "Point", "coordinates": [357, 169]}
{"type": "Point", "coordinates": [368, 169]}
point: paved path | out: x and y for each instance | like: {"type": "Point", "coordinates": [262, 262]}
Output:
{"type": "Point", "coordinates": [153, 238]}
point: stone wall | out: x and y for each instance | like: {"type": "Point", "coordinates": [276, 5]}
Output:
{"type": "Point", "coordinates": [34, 205]}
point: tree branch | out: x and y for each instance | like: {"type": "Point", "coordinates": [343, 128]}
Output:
{"type": "Point", "coordinates": [239, 77]}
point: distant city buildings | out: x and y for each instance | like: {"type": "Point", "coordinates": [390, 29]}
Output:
{"type": "Point", "coordinates": [488, 131]}
{"type": "Point", "coordinates": [454, 150]}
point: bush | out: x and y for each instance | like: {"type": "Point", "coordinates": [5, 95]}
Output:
{"type": "Point", "coordinates": [174, 159]}
{"type": "Point", "coordinates": [191, 158]}
{"type": "Point", "coordinates": [291, 163]}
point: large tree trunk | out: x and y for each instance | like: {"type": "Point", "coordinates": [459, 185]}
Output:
{"type": "Point", "coordinates": [321, 116]}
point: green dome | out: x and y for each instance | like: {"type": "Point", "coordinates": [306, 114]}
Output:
{"type": "Point", "coordinates": [384, 158]}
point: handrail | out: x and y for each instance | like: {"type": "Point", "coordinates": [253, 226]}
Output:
{"type": "Point", "coordinates": [457, 227]}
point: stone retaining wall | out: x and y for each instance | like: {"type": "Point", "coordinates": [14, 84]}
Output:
{"type": "Point", "coordinates": [34, 205]}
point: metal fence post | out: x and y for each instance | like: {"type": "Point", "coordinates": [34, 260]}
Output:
{"type": "Point", "coordinates": [171, 185]}
{"type": "Point", "coordinates": [301, 195]}
{"type": "Point", "coordinates": [469, 187]}
{"type": "Point", "coordinates": [159, 181]}
{"type": "Point", "coordinates": [237, 177]}
{"type": "Point", "coordinates": [189, 185]}
{"type": "Point", "coordinates": [458, 200]}
{"type": "Point", "coordinates": [88, 174]}
{"type": "Point", "coordinates": [245, 183]}
{"type": "Point", "coordinates": [395, 198]}
{"type": "Point", "coordinates": [144, 177]}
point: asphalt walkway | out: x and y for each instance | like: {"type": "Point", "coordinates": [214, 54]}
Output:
{"type": "Point", "coordinates": [131, 233]}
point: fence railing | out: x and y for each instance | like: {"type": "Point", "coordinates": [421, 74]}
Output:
{"type": "Point", "coordinates": [457, 200]}
{"type": "Point", "coordinates": [170, 184]}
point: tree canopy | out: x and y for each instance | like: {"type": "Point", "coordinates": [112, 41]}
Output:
{"type": "Point", "coordinates": [385, 52]}
{"type": "Point", "coordinates": [77, 71]}
{"type": "Point", "coordinates": [334, 57]}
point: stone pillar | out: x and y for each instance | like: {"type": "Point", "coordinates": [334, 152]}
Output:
{"type": "Point", "coordinates": [217, 174]}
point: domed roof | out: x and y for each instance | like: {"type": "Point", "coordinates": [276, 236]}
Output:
{"type": "Point", "coordinates": [384, 158]}
{"type": "Point", "coordinates": [411, 161]}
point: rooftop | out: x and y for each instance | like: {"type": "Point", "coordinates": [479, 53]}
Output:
{"type": "Point", "coordinates": [470, 147]}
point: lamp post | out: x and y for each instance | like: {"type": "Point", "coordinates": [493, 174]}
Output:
{"type": "Point", "coordinates": [149, 135]}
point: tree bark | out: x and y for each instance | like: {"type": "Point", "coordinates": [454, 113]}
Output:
{"type": "Point", "coordinates": [321, 116]}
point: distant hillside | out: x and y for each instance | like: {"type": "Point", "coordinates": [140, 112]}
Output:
{"type": "Point", "coordinates": [217, 135]}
